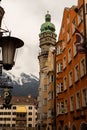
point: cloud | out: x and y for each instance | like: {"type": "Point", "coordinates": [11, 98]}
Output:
{"type": "Point", "coordinates": [24, 19]}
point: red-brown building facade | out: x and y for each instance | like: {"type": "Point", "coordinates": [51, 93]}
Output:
{"type": "Point", "coordinates": [71, 72]}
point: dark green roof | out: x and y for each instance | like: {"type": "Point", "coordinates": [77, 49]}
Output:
{"type": "Point", "coordinates": [47, 26]}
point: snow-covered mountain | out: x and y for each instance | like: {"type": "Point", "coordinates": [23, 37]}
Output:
{"type": "Point", "coordinates": [23, 85]}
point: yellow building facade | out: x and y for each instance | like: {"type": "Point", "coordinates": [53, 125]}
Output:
{"type": "Point", "coordinates": [22, 114]}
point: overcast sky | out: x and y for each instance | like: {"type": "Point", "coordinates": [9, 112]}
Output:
{"type": "Point", "coordinates": [24, 18]}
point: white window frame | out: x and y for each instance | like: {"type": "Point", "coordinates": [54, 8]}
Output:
{"type": "Point", "coordinates": [68, 34]}
{"type": "Point", "coordinates": [51, 78]}
{"type": "Point", "coordinates": [64, 62]}
{"type": "Point", "coordinates": [74, 49]}
{"type": "Point", "coordinates": [50, 95]}
{"type": "Point", "coordinates": [63, 29]}
{"type": "Point", "coordinates": [59, 87]}
{"type": "Point", "coordinates": [70, 78]}
{"type": "Point", "coordinates": [63, 44]}
{"type": "Point", "coordinates": [65, 82]}
{"type": "Point", "coordinates": [59, 67]}
{"type": "Point", "coordinates": [68, 19]}
{"type": "Point", "coordinates": [72, 103]}
{"type": "Point", "coordinates": [73, 25]}
{"type": "Point", "coordinates": [76, 70]}
{"type": "Point", "coordinates": [84, 97]}
{"type": "Point", "coordinates": [45, 88]}
{"type": "Point", "coordinates": [65, 106]}
{"type": "Point", "coordinates": [45, 101]}
{"type": "Point", "coordinates": [82, 67]}
{"type": "Point", "coordinates": [80, 16]}
{"type": "Point", "coordinates": [44, 116]}
{"type": "Point", "coordinates": [60, 108]}
{"type": "Point", "coordinates": [59, 50]}
{"type": "Point", "coordinates": [69, 55]}
{"type": "Point", "coordinates": [49, 114]}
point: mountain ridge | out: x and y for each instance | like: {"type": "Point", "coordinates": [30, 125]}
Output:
{"type": "Point", "coordinates": [23, 85]}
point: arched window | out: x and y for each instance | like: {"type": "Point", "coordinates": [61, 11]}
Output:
{"type": "Point", "coordinates": [83, 126]}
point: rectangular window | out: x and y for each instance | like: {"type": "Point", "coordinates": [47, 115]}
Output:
{"type": "Point", "coordinates": [69, 55]}
{"type": "Point", "coordinates": [1, 119]}
{"type": "Point", "coordinates": [30, 113]}
{"type": "Point", "coordinates": [70, 78]}
{"type": "Point", "coordinates": [60, 108]}
{"type": "Point", "coordinates": [30, 107]}
{"type": "Point", "coordinates": [68, 34]}
{"type": "Point", "coordinates": [80, 16]}
{"type": "Point", "coordinates": [68, 19]}
{"type": "Point", "coordinates": [76, 73]}
{"type": "Point", "coordinates": [59, 87]}
{"type": "Point", "coordinates": [50, 111]}
{"type": "Point", "coordinates": [63, 44]}
{"type": "Point", "coordinates": [14, 113]}
{"type": "Point", "coordinates": [29, 119]}
{"type": "Point", "coordinates": [64, 62]}
{"type": "Point", "coordinates": [77, 100]}
{"type": "Point", "coordinates": [45, 101]}
{"type": "Point", "coordinates": [63, 29]}
{"type": "Point", "coordinates": [1, 113]}
{"type": "Point", "coordinates": [82, 67]}
{"type": "Point", "coordinates": [50, 95]}
{"type": "Point", "coordinates": [86, 8]}
{"type": "Point", "coordinates": [51, 78]}
{"type": "Point", "coordinates": [59, 67]}
{"type": "Point", "coordinates": [66, 106]}
{"type": "Point", "coordinates": [14, 107]}
{"type": "Point", "coordinates": [65, 83]}
{"type": "Point", "coordinates": [59, 50]}
{"type": "Point", "coordinates": [84, 97]}
{"type": "Point", "coordinates": [71, 103]}
{"type": "Point", "coordinates": [74, 49]}
{"type": "Point", "coordinates": [45, 88]}
{"type": "Point", "coordinates": [29, 125]}
{"type": "Point", "coordinates": [73, 25]}
{"type": "Point", "coordinates": [44, 115]}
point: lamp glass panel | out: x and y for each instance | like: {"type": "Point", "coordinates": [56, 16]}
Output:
{"type": "Point", "coordinates": [8, 52]}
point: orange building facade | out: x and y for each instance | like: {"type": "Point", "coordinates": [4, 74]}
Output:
{"type": "Point", "coordinates": [71, 72]}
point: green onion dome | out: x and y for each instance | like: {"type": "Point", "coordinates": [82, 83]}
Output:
{"type": "Point", "coordinates": [47, 26]}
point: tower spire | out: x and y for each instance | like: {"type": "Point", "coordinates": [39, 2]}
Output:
{"type": "Point", "coordinates": [47, 17]}
{"type": "Point", "coordinates": [47, 11]}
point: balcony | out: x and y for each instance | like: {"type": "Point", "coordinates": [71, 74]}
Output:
{"type": "Point", "coordinates": [44, 117]}
{"type": "Point", "coordinates": [43, 53]}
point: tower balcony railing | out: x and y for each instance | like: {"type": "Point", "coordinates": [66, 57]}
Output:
{"type": "Point", "coordinates": [44, 117]}
{"type": "Point", "coordinates": [43, 53]}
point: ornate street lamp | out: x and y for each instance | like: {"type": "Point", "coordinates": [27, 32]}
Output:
{"type": "Point", "coordinates": [9, 45]}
